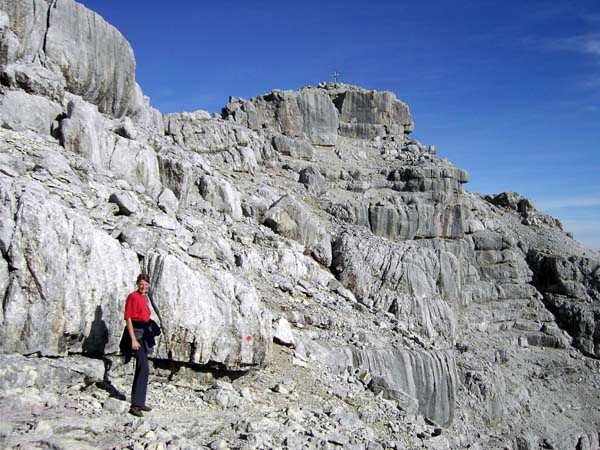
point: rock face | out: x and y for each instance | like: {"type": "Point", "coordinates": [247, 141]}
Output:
{"type": "Point", "coordinates": [420, 382]}
{"type": "Point", "coordinates": [366, 114]}
{"type": "Point", "coordinates": [309, 114]}
{"type": "Point", "coordinates": [323, 113]}
{"type": "Point", "coordinates": [321, 278]}
{"type": "Point", "coordinates": [570, 287]}
{"type": "Point", "coordinates": [66, 277]}
{"type": "Point", "coordinates": [414, 284]}
{"type": "Point", "coordinates": [206, 320]}
{"type": "Point", "coordinates": [89, 57]}
{"type": "Point", "coordinates": [289, 218]}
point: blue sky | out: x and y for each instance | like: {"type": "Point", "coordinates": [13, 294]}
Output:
{"type": "Point", "coordinates": [508, 90]}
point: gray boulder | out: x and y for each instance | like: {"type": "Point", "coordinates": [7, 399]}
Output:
{"type": "Point", "coordinates": [288, 217]}
{"type": "Point", "coordinates": [126, 201]}
{"type": "Point", "coordinates": [209, 249]}
{"type": "Point", "coordinates": [180, 175]}
{"type": "Point", "coordinates": [83, 132]}
{"type": "Point", "coordinates": [167, 201]}
{"type": "Point", "coordinates": [35, 80]}
{"type": "Point", "coordinates": [312, 179]}
{"type": "Point", "coordinates": [86, 132]}
{"type": "Point", "coordinates": [136, 163]}
{"type": "Point", "coordinates": [21, 373]}
{"type": "Point", "coordinates": [21, 111]}
{"type": "Point", "coordinates": [296, 148]}
{"type": "Point", "coordinates": [219, 193]}
{"type": "Point", "coordinates": [139, 239]}
{"type": "Point", "coordinates": [282, 332]}
{"type": "Point", "coordinates": [9, 42]}
{"type": "Point", "coordinates": [219, 320]}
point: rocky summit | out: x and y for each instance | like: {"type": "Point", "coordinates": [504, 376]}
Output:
{"type": "Point", "coordinates": [323, 280]}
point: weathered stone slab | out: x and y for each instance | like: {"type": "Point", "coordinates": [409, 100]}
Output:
{"type": "Point", "coordinates": [417, 285]}
{"type": "Point", "coordinates": [422, 382]}
{"type": "Point", "coordinates": [203, 320]}
{"type": "Point", "coordinates": [291, 219]}
{"type": "Point", "coordinates": [21, 111]}
{"type": "Point", "coordinates": [308, 114]}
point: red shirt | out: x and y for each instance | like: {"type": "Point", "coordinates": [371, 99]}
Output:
{"type": "Point", "coordinates": [136, 307]}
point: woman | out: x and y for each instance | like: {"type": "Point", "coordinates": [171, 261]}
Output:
{"type": "Point", "coordinates": [137, 319]}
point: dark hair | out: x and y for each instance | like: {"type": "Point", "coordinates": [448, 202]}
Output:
{"type": "Point", "coordinates": [142, 277]}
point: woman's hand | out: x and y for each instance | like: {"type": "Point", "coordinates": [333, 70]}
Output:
{"type": "Point", "coordinates": [135, 345]}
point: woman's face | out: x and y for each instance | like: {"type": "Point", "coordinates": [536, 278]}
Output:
{"type": "Point", "coordinates": [143, 286]}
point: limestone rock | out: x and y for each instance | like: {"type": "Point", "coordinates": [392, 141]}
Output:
{"type": "Point", "coordinates": [569, 286]}
{"type": "Point", "coordinates": [93, 57]}
{"type": "Point", "coordinates": [308, 114]}
{"type": "Point", "coordinates": [197, 131]}
{"type": "Point", "coordinates": [319, 116]}
{"type": "Point", "coordinates": [424, 284]}
{"type": "Point", "coordinates": [366, 114]}
{"type": "Point", "coordinates": [180, 176]}
{"type": "Point", "coordinates": [85, 132]}
{"type": "Point", "coordinates": [221, 196]}
{"type": "Point", "coordinates": [22, 111]}
{"type": "Point", "coordinates": [126, 201]}
{"type": "Point", "coordinates": [115, 406]}
{"type": "Point", "coordinates": [35, 80]}
{"type": "Point", "coordinates": [283, 333]}
{"type": "Point", "coordinates": [139, 239]}
{"type": "Point", "coordinates": [57, 256]}
{"type": "Point", "coordinates": [291, 219]}
{"type": "Point", "coordinates": [208, 249]}
{"type": "Point", "coordinates": [20, 372]}
{"type": "Point", "coordinates": [293, 147]}
{"type": "Point", "coordinates": [207, 321]}
{"type": "Point", "coordinates": [162, 220]}
{"type": "Point", "coordinates": [167, 201]}
{"type": "Point", "coordinates": [425, 380]}
{"type": "Point", "coordinates": [126, 129]}
{"type": "Point", "coordinates": [9, 42]}
{"type": "Point", "coordinates": [312, 179]}
{"type": "Point", "coordinates": [412, 283]}
{"type": "Point", "coordinates": [223, 395]}
{"type": "Point", "coordinates": [428, 203]}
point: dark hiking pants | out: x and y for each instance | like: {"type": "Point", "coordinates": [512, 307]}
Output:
{"type": "Point", "coordinates": [142, 370]}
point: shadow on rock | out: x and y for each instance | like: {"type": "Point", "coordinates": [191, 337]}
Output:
{"type": "Point", "coordinates": [96, 341]}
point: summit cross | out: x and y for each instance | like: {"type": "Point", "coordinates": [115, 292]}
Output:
{"type": "Point", "coordinates": [336, 76]}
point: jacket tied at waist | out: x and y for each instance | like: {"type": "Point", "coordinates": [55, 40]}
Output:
{"type": "Point", "coordinates": [149, 331]}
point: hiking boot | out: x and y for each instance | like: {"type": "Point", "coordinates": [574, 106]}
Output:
{"type": "Point", "coordinates": [144, 408]}
{"type": "Point", "coordinates": [136, 411]}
